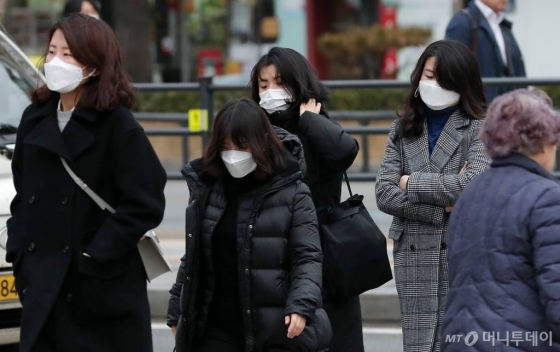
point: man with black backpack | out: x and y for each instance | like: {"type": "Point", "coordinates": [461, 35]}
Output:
{"type": "Point", "coordinates": [483, 28]}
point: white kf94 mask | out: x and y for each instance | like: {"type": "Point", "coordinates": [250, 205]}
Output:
{"type": "Point", "coordinates": [63, 77]}
{"type": "Point", "coordinates": [238, 163]}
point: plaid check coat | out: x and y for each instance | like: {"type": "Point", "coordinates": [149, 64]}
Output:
{"type": "Point", "coordinates": [420, 223]}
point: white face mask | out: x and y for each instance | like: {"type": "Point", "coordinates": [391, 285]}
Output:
{"type": "Point", "coordinates": [435, 97]}
{"type": "Point", "coordinates": [238, 163]}
{"type": "Point", "coordinates": [275, 100]}
{"type": "Point", "coordinates": [63, 77]}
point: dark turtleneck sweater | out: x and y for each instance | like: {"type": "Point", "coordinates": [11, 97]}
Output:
{"type": "Point", "coordinates": [225, 318]}
{"type": "Point", "coordinates": [436, 120]}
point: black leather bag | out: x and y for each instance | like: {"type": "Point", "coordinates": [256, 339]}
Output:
{"type": "Point", "coordinates": [354, 249]}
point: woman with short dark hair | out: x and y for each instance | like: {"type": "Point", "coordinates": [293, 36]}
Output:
{"type": "Point", "coordinates": [432, 153]}
{"type": "Point", "coordinates": [251, 277]}
{"type": "Point", "coordinates": [287, 89]}
{"type": "Point", "coordinates": [79, 274]}
{"type": "Point", "coordinates": [504, 234]}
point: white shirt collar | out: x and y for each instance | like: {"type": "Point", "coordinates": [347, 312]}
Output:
{"type": "Point", "coordinates": [490, 15]}
{"type": "Point", "coordinates": [60, 107]}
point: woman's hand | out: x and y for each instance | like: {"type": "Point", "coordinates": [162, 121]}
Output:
{"type": "Point", "coordinates": [174, 330]}
{"type": "Point", "coordinates": [296, 324]}
{"type": "Point", "coordinates": [403, 181]}
{"type": "Point", "coordinates": [312, 105]}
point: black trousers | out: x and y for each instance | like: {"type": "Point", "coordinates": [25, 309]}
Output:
{"type": "Point", "coordinates": [209, 345]}
{"type": "Point", "coordinates": [346, 321]}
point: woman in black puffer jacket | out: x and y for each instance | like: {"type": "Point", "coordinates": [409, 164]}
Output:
{"type": "Point", "coordinates": [251, 277]}
{"type": "Point", "coordinates": [285, 86]}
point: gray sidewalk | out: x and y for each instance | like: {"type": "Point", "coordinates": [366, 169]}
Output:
{"type": "Point", "coordinates": [379, 305]}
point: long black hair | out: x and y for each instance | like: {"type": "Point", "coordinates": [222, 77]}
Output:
{"type": "Point", "coordinates": [294, 72]}
{"type": "Point", "coordinates": [246, 124]}
{"type": "Point", "coordinates": [456, 69]}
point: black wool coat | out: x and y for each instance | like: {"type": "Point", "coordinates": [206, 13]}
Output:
{"type": "Point", "coordinates": [279, 261]}
{"type": "Point", "coordinates": [54, 222]}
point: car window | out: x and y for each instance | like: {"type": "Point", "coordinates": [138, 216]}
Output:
{"type": "Point", "coordinates": [15, 83]}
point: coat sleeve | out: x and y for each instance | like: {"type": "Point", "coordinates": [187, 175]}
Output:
{"type": "Point", "coordinates": [174, 306]}
{"type": "Point", "coordinates": [306, 258]}
{"type": "Point", "coordinates": [393, 200]}
{"type": "Point", "coordinates": [337, 148]}
{"type": "Point", "coordinates": [459, 28]}
{"type": "Point", "coordinates": [444, 190]}
{"type": "Point", "coordinates": [140, 179]}
{"type": "Point", "coordinates": [545, 227]}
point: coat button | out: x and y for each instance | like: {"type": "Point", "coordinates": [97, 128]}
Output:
{"type": "Point", "coordinates": [248, 312]}
{"type": "Point", "coordinates": [188, 278]}
{"type": "Point", "coordinates": [250, 226]}
{"type": "Point", "coordinates": [246, 271]}
{"type": "Point", "coordinates": [190, 234]}
{"type": "Point", "coordinates": [31, 200]}
{"type": "Point", "coordinates": [31, 247]}
{"type": "Point", "coordinates": [444, 246]}
{"type": "Point", "coordinates": [64, 201]}
{"type": "Point", "coordinates": [69, 297]}
{"type": "Point", "coordinates": [412, 248]}
{"type": "Point", "coordinates": [66, 249]}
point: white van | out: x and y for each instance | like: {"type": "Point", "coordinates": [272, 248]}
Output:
{"type": "Point", "coordinates": [17, 77]}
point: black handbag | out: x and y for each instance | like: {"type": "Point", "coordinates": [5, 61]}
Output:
{"type": "Point", "coordinates": [354, 249]}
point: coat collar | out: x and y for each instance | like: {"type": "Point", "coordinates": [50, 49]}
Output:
{"type": "Point", "coordinates": [418, 152]}
{"type": "Point", "coordinates": [483, 22]}
{"type": "Point", "coordinates": [51, 106]}
{"type": "Point", "coordinates": [524, 162]}
{"type": "Point", "coordinates": [69, 144]}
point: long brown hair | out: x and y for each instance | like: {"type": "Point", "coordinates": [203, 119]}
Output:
{"type": "Point", "coordinates": [94, 44]}
{"type": "Point", "coordinates": [246, 124]}
{"type": "Point", "coordinates": [457, 70]}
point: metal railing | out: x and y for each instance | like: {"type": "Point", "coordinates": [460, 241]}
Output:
{"type": "Point", "coordinates": [206, 89]}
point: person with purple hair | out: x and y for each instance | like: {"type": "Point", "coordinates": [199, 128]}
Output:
{"type": "Point", "coordinates": [504, 235]}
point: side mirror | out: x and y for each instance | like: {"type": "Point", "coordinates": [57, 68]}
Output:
{"type": "Point", "coordinates": [7, 150]}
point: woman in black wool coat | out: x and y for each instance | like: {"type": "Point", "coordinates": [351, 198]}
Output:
{"type": "Point", "coordinates": [286, 87]}
{"type": "Point", "coordinates": [251, 277]}
{"type": "Point", "coordinates": [79, 274]}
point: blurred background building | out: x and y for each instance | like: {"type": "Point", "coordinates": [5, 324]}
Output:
{"type": "Point", "coordinates": [181, 40]}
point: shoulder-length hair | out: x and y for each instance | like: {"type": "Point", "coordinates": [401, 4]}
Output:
{"type": "Point", "coordinates": [93, 44]}
{"type": "Point", "coordinates": [294, 73]}
{"type": "Point", "coordinates": [456, 69]}
{"type": "Point", "coordinates": [246, 125]}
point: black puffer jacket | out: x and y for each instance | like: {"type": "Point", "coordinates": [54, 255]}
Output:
{"type": "Point", "coordinates": [279, 260]}
{"type": "Point", "coordinates": [329, 151]}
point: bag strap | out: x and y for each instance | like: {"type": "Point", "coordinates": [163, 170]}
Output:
{"type": "Point", "coordinates": [348, 184]}
{"type": "Point", "coordinates": [97, 199]}
{"type": "Point", "coordinates": [474, 31]}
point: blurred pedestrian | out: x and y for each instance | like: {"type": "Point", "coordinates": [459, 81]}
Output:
{"type": "Point", "coordinates": [432, 153]}
{"type": "Point", "coordinates": [287, 88]}
{"type": "Point", "coordinates": [87, 7]}
{"type": "Point", "coordinates": [78, 271]}
{"type": "Point", "coordinates": [504, 243]}
{"type": "Point", "coordinates": [251, 277]}
{"type": "Point", "coordinates": [482, 26]}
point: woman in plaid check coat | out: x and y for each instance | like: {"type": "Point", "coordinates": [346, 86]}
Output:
{"type": "Point", "coordinates": [433, 152]}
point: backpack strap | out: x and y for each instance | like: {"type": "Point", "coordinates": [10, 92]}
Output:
{"type": "Point", "coordinates": [474, 31]}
